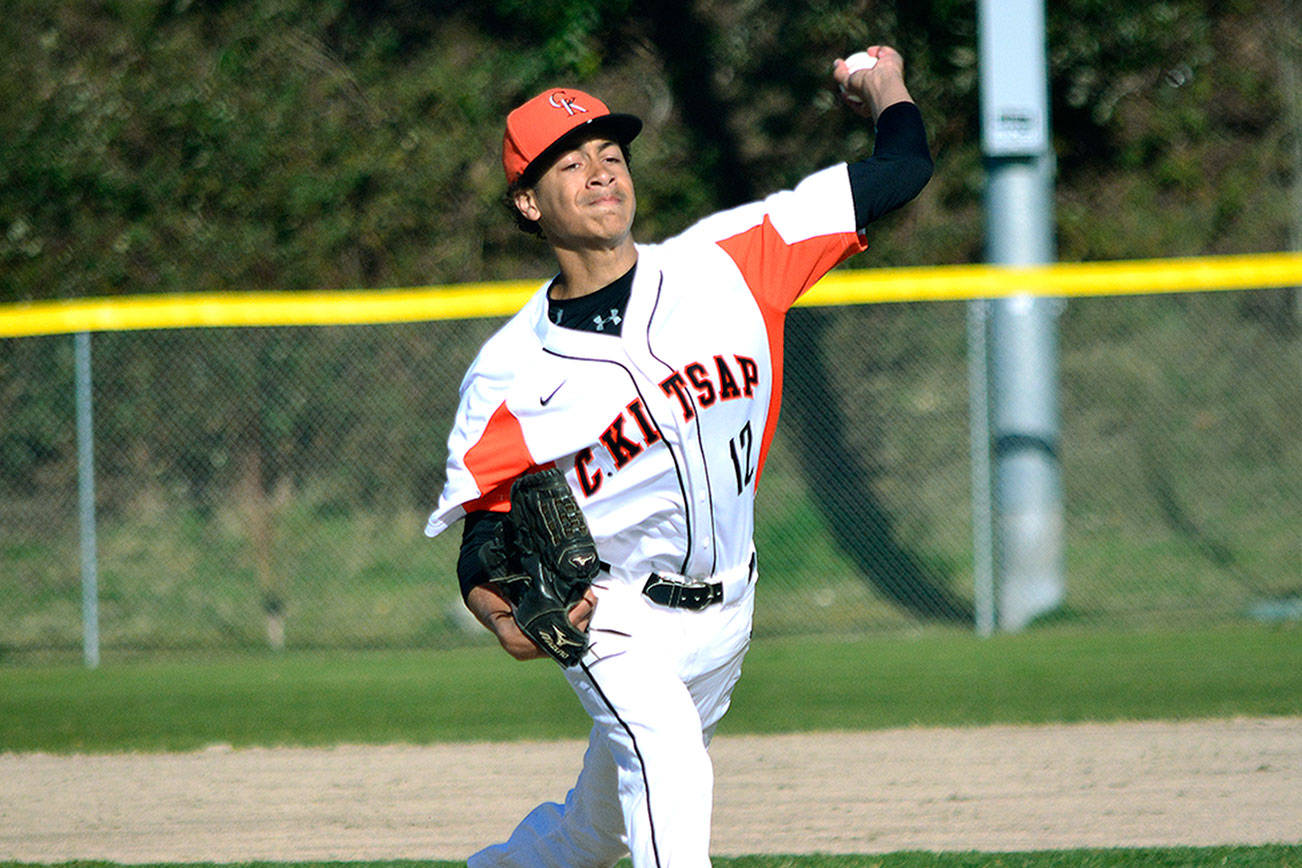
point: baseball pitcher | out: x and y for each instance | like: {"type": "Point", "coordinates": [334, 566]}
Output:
{"type": "Point", "coordinates": [609, 442]}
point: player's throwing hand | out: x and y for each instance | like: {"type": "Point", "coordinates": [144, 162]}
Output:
{"type": "Point", "coordinates": [868, 91]}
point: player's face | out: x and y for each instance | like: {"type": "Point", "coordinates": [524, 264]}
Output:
{"type": "Point", "coordinates": [585, 199]}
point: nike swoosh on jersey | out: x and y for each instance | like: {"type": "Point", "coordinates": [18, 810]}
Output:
{"type": "Point", "coordinates": [543, 402]}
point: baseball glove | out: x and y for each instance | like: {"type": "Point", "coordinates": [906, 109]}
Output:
{"type": "Point", "coordinates": [543, 559]}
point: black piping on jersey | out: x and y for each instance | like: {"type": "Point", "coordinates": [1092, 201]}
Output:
{"type": "Point", "coordinates": [646, 782]}
{"type": "Point", "coordinates": [678, 470]}
{"type": "Point", "coordinates": [700, 443]}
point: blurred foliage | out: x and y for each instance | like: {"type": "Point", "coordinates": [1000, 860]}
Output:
{"type": "Point", "coordinates": [285, 144]}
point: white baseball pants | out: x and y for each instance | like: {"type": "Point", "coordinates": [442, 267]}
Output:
{"type": "Point", "coordinates": [656, 682]}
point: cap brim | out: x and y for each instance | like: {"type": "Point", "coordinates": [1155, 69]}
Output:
{"type": "Point", "coordinates": [620, 128]}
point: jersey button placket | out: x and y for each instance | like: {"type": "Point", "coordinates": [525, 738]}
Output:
{"type": "Point", "coordinates": [699, 558]}
{"type": "Point", "coordinates": [702, 510]}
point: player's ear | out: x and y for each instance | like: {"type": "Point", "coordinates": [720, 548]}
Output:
{"type": "Point", "coordinates": [526, 202]}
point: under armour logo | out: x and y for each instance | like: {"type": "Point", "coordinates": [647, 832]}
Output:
{"type": "Point", "coordinates": [559, 101]}
{"type": "Point", "coordinates": [601, 322]}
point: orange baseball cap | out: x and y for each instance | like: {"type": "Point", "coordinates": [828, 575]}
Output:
{"type": "Point", "coordinates": [536, 129]}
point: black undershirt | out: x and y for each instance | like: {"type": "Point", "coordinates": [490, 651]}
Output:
{"type": "Point", "coordinates": [898, 169]}
{"type": "Point", "coordinates": [477, 529]}
{"type": "Point", "coordinates": [601, 311]}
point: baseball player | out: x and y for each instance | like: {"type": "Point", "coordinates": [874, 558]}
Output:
{"type": "Point", "coordinates": [650, 376]}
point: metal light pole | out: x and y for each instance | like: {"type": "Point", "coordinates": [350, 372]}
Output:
{"type": "Point", "coordinates": [1022, 332]}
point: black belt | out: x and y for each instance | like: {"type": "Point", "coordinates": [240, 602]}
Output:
{"type": "Point", "coordinates": [681, 595]}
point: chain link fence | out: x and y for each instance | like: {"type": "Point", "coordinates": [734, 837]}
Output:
{"type": "Point", "coordinates": [267, 487]}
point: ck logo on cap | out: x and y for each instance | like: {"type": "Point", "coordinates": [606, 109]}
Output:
{"type": "Point", "coordinates": [560, 101]}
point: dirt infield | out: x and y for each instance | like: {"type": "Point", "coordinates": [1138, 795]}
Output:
{"type": "Point", "coordinates": [995, 788]}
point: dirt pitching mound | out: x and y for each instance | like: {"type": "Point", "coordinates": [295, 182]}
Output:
{"type": "Point", "coordinates": [990, 788]}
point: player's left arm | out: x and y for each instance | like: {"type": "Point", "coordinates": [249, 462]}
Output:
{"type": "Point", "coordinates": [901, 164]}
{"type": "Point", "coordinates": [487, 602]}
{"type": "Point", "coordinates": [493, 610]}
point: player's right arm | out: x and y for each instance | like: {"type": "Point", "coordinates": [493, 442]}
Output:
{"type": "Point", "coordinates": [784, 243]}
{"type": "Point", "coordinates": [898, 169]}
{"type": "Point", "coordinates": [901, 163]}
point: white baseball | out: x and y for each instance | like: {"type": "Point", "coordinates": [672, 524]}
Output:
{"type": "Point", "coordinates": [860, 60]}
{"type": "Point", "coordinates": [855, 62]}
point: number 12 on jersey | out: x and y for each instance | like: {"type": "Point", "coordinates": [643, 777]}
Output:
{"type": "Point", "coordinates": [741, 446]}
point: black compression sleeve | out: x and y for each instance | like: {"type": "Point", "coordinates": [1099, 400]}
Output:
{"type": "Point", "coordinates": [899, 167]}
{"type": "Point", "coordinates": [478, 529]}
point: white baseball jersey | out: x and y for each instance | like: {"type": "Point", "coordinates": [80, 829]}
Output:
{"type": "Point", "coordinates": [661, 430]}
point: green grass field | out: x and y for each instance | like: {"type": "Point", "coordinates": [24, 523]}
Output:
{"type": "Point", "coordinates": [935, 678]}
{"type": "Point", "coordinates": [789, 685]}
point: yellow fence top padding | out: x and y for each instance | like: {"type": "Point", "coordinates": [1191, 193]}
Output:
{"type": "Point", "coordinates": [468, 300]}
